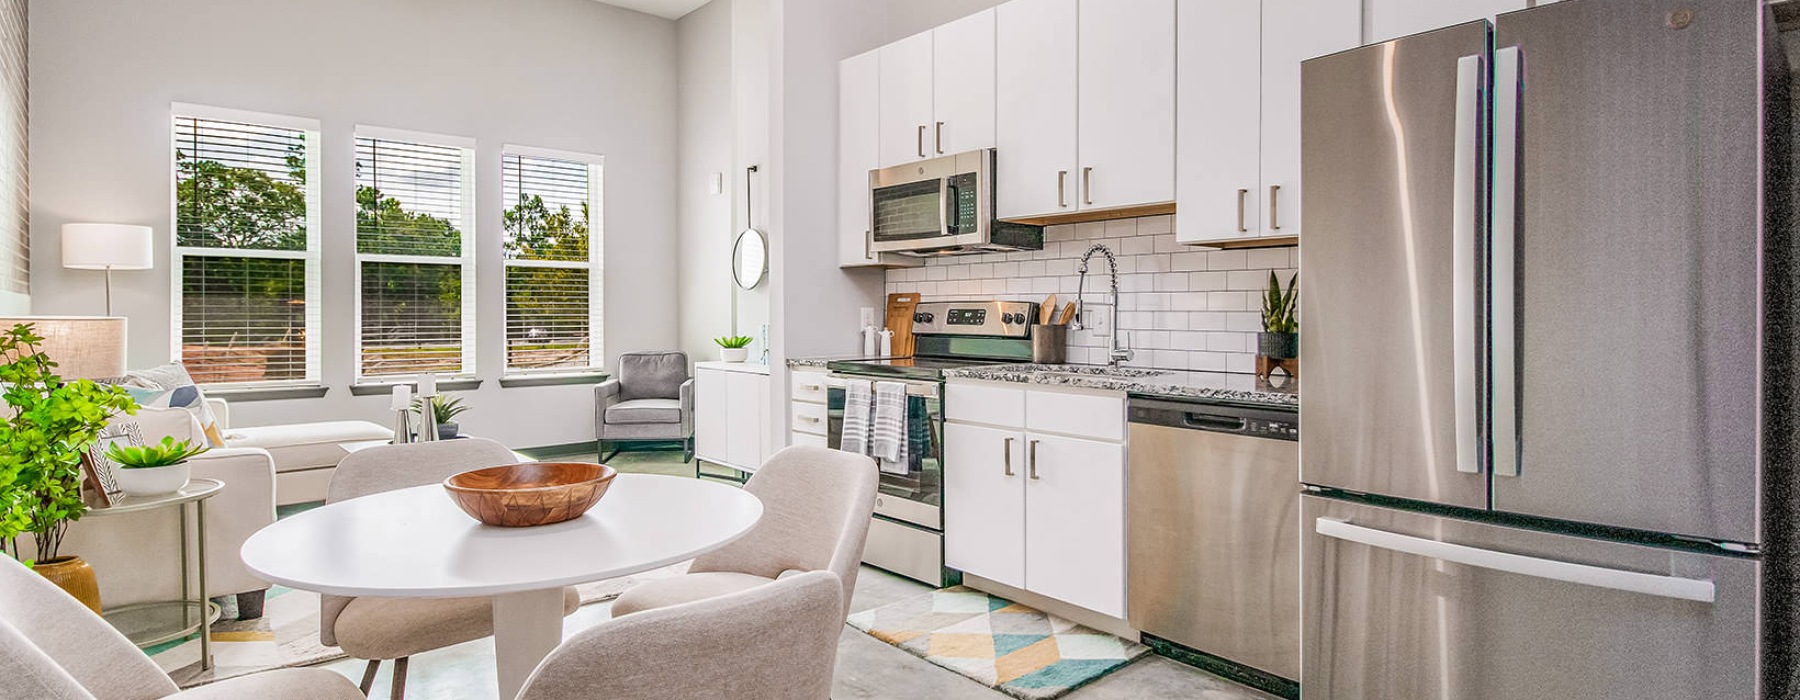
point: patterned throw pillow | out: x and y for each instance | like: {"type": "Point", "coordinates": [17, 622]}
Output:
{"type": "Point", "coordinates": [170, 386]}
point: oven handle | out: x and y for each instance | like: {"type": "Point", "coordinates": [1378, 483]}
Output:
{"type": "Point", "coordinates": [930, 390]}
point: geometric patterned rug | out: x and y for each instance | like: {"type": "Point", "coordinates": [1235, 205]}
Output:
{"type": "Point", "coordinates": [287, 635]}
{"type": "Point", "coordinates": [1003, 645]}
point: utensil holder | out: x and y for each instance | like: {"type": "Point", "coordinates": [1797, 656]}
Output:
{"type": "Point", "coordinates": [1049, 344]}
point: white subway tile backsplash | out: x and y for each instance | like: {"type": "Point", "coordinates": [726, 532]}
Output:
{"type": "Point", "coordinates": [1180, 307]}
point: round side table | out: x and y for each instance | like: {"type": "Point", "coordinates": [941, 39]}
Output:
{"type": "Point", "coordinates": [148, 624]}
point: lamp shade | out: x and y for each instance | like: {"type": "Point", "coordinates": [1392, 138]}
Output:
{"type": "Point", "coordinates": [83, 347]}
{"type": "Point", "coordinates": [107, 247]}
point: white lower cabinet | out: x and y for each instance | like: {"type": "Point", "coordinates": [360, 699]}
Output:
{"type": "Point", "coordinates": [1041, 511]}
{"type": "Point", "coordinates": [731, 415]}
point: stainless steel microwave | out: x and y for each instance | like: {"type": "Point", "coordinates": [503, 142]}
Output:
{"type": "Point", "coordinates": [942, 206]}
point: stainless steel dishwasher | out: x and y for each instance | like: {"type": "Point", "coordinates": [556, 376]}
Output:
{"type": "Point", "coordinates": [1214, 531]}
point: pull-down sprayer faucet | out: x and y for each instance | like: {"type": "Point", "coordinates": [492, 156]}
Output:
{"type": "Point", "coordinates": [1116, 349]}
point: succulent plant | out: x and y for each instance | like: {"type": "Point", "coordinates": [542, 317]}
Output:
{"type": "Point", "coordinates": [166, 453]}
{"type": "Point", "coordinates": [444, 407]}
{"type": "Point", "coordinates": [733, 342]}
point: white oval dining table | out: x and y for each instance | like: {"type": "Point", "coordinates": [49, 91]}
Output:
{"type": "Point", "coordinates": [416, 543]}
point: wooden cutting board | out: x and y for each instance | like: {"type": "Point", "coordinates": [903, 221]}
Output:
{"type": "Point", "coordinates": [900, 308]}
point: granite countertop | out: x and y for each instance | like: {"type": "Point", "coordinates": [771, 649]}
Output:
{"type": "Point", "coordinates": [1181, 384]}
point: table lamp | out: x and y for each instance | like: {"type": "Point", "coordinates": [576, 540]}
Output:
{"type": "Point", "coordinates": [83, 347]}
{"type": "Point", "coordinates": [107, 247]}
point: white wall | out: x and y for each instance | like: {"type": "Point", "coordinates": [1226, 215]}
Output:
{"type": "Point", "coordinates": [573, 75]}
{"type": "Point", "coordinates": [706, 142]}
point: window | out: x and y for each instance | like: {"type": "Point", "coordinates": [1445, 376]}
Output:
{"type": "Point", "coordinates": [553, 254]}
{"type": "Point", "coordinates": [415, 255]}
{"type": "Point", "coordinates": [246, 246]}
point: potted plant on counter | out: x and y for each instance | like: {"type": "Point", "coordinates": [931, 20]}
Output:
{"type": "Point", "coordinates": [153, 470]}
{"type": "Point", "coordinates": [50, 424]}
{"type": "Point", "coordinates": [1278, 345]}
{"type": "Point", "coordinates": [445, 409]}
{"type": "Point", "coordinates": [734, 348]}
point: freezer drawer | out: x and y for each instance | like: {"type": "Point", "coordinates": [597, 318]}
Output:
{"type": "Point", "coordinates": [1406, 605]}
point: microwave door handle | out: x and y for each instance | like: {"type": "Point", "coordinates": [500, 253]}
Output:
{"type": "Point", "coordinates": [948, 217]}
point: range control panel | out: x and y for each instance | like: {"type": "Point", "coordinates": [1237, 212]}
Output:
{"type": "Point", "coordinates": [1003, 319]}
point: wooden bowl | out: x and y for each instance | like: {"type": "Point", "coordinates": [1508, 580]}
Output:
{"type": "Point", "coordinates": [533, 493]}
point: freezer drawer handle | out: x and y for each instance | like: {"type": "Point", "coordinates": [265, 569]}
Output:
{"type": "Point", "coordinates": [1649, 584]}
{"type": "Point", "coordinates": [1466, 305]}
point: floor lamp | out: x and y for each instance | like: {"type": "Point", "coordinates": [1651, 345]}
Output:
{"type": "Point", "coordinates": [107, 247]}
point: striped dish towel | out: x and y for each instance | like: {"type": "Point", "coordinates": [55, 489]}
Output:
{"type": "Point", "coordinates": [858, 405]}
{"type": "Point", "coordinates": [889, 442]}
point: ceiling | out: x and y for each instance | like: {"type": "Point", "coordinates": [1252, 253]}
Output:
{"type": "Point", "coordinates": [671, 9]}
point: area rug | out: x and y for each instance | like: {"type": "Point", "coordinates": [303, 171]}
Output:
{"type": "Point", "coordinates": [287, 634]}
{"type": "Point", "coordinates": [1003, 645]}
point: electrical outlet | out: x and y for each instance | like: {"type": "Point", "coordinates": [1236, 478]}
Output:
{"type": "Point", "coordinates": [1097, 319]}
{"type": "Point", "coordinates": [866, 317]}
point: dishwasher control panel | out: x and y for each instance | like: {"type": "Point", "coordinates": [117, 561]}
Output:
{"type": "Point", "coordinates": [1268, 423]}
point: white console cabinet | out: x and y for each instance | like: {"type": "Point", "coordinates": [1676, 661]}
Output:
{"type": "Point", "coordinates": [731, 414]}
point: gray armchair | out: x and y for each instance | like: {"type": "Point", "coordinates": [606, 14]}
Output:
{"type": "Point", "coordinates": [651, 399]}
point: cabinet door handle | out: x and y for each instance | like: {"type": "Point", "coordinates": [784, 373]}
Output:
{"type": "Point", "coordinates": [940, 137]}
{"type": "Point", "coordinates": [1274, 196]}
{"type": "Point", "coordinates": [1031, 458]}
{"type": "Point", "coordinates": [1087, 185]}
{"type": "Point", "coordinates": [1062, 188]}
{"type": "Point", "coordinates": [868, 245]}
{"type": "Point", "coordinates": [1009, 471]}
{"type": "Point", "coordinates": [921, 140]}
{"type": "Point", "coordinates": [811, 387]}
{"type": "Point", "coordinates": [1242, 196]}
{"type": "Point", "coordinates": [810, 419]}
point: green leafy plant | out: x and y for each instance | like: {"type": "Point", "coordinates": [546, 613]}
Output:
{"type": "Point", "coordinates": [162, 454]}
{"type": "Point", "coordinates": [444, 408]}
{"type": "Point", "coordinates": [52, 422]}
{"type": "Point", "coordinates": [733, 342]}
{"type": "Point", "coordinates": [1278, 307]}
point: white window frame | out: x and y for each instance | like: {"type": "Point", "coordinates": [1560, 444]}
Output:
{"type": "Point", "coordinates": [466, 260]}
{"type": "Point", "coordinates": [314, 225]}
{"type": "Point", "coordinates": [595, 264]}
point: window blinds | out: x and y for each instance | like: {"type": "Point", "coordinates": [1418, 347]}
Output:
{"type": "Point", "coordinates": [553, 318]}
{"type": "Point", "coordinates": [411, 241]}
{"type": "Point", "coordinates": [243, 216]}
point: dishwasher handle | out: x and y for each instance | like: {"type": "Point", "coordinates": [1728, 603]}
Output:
{"type": "Point", "coordinates": [1213, 421]}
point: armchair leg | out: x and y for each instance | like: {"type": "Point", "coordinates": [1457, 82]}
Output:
{"type": "Point", "coordinates": [399, 688]}
{"type": "Point", "coordinates": [687, 452]}
{"type": "Point", "coordinates": [250, 605]}
{"type": "Point", "coordinates": [368, 680]}
{"type": "Point", "coordinates": [607, 456]}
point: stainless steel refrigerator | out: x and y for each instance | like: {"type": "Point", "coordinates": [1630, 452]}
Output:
{"type": "Point", "coordinates": [1547, 317]}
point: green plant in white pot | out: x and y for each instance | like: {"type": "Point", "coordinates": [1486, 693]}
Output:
{"type": "Point", "coordinates": [1280, 339]}
{"type": "Point", "coordinates": [153, 470]}
{"type": "Point", "coordinates": [734, 348]}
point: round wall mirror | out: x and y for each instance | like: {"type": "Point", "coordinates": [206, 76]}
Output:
{"type": "Point", "coordinates": [750, 258]}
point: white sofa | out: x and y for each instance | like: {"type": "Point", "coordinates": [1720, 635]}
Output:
{"type": "Point", "coordinates": [136, 556]}
{"type": "Point", "coordinates": [305, 454]}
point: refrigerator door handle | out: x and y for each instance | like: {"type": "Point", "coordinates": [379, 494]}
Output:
{"type": "Point", "coordinates": [1466, 216]}
{"type": "Point", "coordinates": [1501, 257]}
{"type": "Point", "coordinates": [1602, 577]}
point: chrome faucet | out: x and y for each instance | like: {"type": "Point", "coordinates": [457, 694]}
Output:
{"type": "Point", "coordinates": [1116, 350]}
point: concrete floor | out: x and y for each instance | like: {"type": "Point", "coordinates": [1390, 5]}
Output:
{"type": "Point", "coordinates": [866, 669]}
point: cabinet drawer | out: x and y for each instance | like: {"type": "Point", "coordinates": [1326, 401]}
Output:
{"type": "Point", "coordinates": [807, 386]}
{"type": "Point", "coordinates": [985, 403]}
{"type": "Point", "coordinates": [1086, 415]}
{"type": "Point", "coordinates": [809, 418]}
{"type": "Point", "coordinates": [808, 439]}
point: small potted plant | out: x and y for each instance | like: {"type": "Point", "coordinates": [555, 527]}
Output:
{"type": "Point", "coordinates": [1280, 339]}
{"type": "Point", "coordinates": [445, 409]}
{"type": "Point", "coordinates": [153, 470]}
{"type": "Point", "coordinates": [734, 348]}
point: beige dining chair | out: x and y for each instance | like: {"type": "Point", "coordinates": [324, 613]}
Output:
{"type": "Point", "coordinates": [780, 639]}
{"type": "Point", "coordinates": [54, 648]}
{"type": "Point", "coordinates": [816, 508]}
{"type": "Point", "coordinates": [397, 628]}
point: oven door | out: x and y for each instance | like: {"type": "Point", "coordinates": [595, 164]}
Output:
{"type": "Point", "coordinates": [912, 492]}
{"type": "Point", "coordinates": [937, 203]}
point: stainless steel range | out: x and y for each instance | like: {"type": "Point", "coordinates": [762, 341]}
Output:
{"type": "Point", "coordinates": [907, 534]}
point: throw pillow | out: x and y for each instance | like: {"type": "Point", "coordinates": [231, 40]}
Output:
{"type": "Point", "coordinates": [170, 386]}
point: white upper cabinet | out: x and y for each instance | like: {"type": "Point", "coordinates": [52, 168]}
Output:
{"type": "Point", "coordinates": [1126, 121]}
{"type": "Point", "coordinates": [1392, 19]}
{"type": "Point", "coordinates": [1293, 31]}
{"type": "Point", "coordinates": [1035, 108]}
{"type": "Point", "coordinates": [859, 127]}
{"type": "Point", "coordinates": [963, 85]}
{"type": "Point", "coordinates": [905, 99]}
{"type": "Point", "coordinates": [1219, 99]}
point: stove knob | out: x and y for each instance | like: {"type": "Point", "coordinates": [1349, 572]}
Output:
{"type": "Point", "coordinates": [1006, 318]}
{"type": "Point", "coordinates": [918, 318]}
